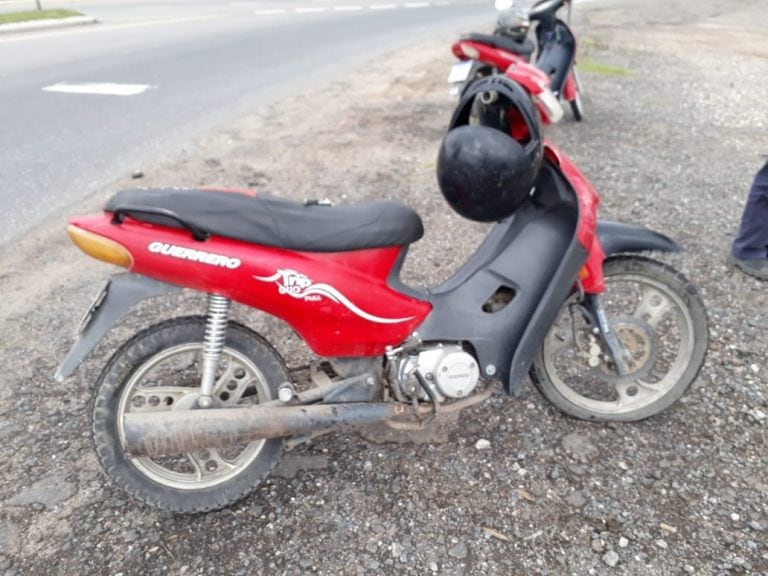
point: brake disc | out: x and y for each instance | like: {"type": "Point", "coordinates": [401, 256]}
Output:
{"type": "Point", "coordinates": [639, 344]}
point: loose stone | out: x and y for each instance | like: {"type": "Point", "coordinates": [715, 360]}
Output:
{"type": "Point", "coordinates": [611, 558]}
{"type": "Point", "coordinates": [576, 499]}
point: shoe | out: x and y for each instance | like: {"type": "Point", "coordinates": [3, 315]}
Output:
{"type": "Point", "coordinates": [755, 268]}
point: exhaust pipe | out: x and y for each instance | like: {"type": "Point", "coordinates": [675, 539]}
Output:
{"type": "Point", "coordinates": [166, 433]}
{"type": "Point", "coordinates": [489, 98]}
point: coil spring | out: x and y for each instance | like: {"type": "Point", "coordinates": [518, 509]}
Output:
{"type": "Point", "coordinates": [216, 325]}
{"type": "Point", "coordinates": [215, 336]}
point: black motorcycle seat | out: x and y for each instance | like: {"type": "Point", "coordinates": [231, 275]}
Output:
{"type": "Point", "coordinates": [272, 221]}
{"type": "Point", "coordinates": [524, 48]}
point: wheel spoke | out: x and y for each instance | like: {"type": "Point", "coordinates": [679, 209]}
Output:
{"type": "Point", "coordinates": [232, 383]}
{"type": "Point", "coordinates": [651, 388]}
{"type": "Point", "coordinates": [624, 399]}
{"type": "Point", "coordinates": [633, 392]}
{"type": "Point", "coordinates": [654, 304]}
{"type": "Point", "coordinates": [208, 463]}
{"type": "Point", "coordinates": [160, 398]}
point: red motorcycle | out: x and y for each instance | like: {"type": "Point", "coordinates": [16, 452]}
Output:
{"type": "Point", "coordinates": [192, 413]}
{"type": "Point", "coordinates": [509, 50]}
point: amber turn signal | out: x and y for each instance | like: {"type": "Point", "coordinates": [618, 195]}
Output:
{"type": "Point", "coordinates": [99, 247]}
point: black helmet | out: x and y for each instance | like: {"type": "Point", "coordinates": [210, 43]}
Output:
{"type": "Point", "coordinates": [487, 171]}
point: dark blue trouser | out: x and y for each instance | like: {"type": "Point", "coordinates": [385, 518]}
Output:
{"type": "Point", "coordinates": [751, 243]}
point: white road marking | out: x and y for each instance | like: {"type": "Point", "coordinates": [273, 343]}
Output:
{"type": "Point", "coordinates": [310, 10]}
{"type": "Point", "coordinates": [100, 88]}
{"type": "Point", "coordinates": [416, 5]}
{"type": "Point", "coordinates": [382, 6]}
{"type": "Point", "coordinates": [347, 8]}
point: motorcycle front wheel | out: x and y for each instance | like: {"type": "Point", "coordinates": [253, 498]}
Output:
{"type": "Point", "coordinates": [576, 105]}
{"type": "Point", "coordinates": [661, 324]}
{"type": "Point", "coordinates": [577, 108]}
{"type": "Point", "coordinates": [159, 370]}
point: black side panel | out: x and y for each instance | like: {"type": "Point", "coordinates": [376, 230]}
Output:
{"type": "Point", "coordinates": [556, 56]}
{"type": "Point", "coordinates": [616, 237]}
{"type": "Point", "coordinates": [394, 281]}
{"type": "Point", "coordinates": [546, 314]}
{"type": "Point", "coordinates": [521, 256]}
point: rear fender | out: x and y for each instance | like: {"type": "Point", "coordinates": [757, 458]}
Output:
{"type": "Point", "coordinates": [121, 293]}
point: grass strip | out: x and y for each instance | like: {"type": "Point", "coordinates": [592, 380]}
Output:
{"type": "Point", "coordinates": [595, 67]}
{"type": "Point", "coordinates": [14, 17]}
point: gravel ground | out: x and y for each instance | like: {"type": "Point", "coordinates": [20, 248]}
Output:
{"type": "Point", "coordinates": [672, 145]}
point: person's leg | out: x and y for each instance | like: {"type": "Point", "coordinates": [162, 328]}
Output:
{"type": "Point", "coordinates": [751, 243]}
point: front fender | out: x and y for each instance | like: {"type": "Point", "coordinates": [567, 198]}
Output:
{"type": "Point", "coordinates": [616, 238]}
{"type": "Point", "coordinates": [121, 293]}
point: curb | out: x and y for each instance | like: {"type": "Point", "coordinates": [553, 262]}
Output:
{"type": "Point", "coordinates": [46, 24]}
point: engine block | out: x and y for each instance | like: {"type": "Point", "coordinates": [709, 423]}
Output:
{"type": "Point", "coordinates": [448, 370]}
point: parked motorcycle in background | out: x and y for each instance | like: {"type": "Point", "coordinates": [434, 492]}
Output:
{"type": "Point", "coordinates": [509, 50]}
{"type": "Point", "coordinates": [192, 413]}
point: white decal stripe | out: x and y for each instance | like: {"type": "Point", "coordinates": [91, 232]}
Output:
{"type": "Point", "coordinates": [333, 294]}
{"type": "Point", "coordinates": [274, 278]}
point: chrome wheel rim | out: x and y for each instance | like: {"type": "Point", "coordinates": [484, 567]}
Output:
{"type": "Point", "coordinates": [657, 335]}
{"type": "Point", "coordinates": [170, 380]}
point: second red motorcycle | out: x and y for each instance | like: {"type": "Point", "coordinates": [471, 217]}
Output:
{"type": "Point", "coordinates": [549, 77]}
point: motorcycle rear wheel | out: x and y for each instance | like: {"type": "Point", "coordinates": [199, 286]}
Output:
{"type": "Point", "coordinates": [660, 320]}
{"type": "Point", "coordinates": [159, 370]}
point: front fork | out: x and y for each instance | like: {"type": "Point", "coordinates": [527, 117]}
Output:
{"type": "Point", "coordinates": [591, 287]}
{"type": "Point", "coordinates": [216, 320]}
{"type": "Point", "coordinates": [594, 305]}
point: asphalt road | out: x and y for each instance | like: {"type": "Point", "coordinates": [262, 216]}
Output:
{"type": "Point", "coordinates": [202, 63]}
